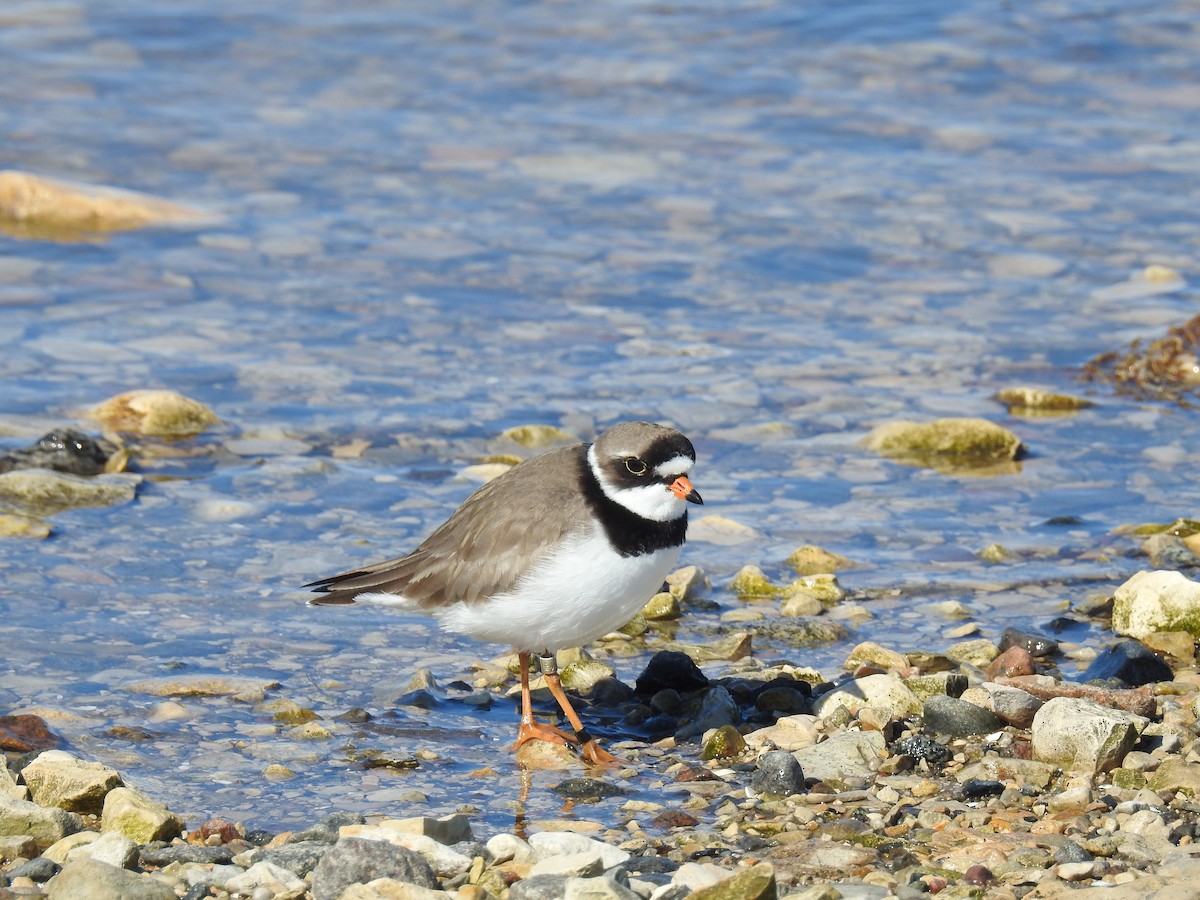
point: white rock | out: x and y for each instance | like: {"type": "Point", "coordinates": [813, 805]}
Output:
{"type": "Point", "coordinates": [275, 879]}
{"type": "Point", "coordinates": [505, 847]}
{"type": "Point", "coordinates": [112, 848]}
{"type": "Point", "coordinates": [1156, 601]}
{"type": "Point", "coordinates": [1082, 736]}
{"type": "Point", "coordinates": [560, 843]}
{"type": "Point", "coordinates": [886, 692]}
{"type": "Point", "coordinates": [576, 865]}
{"type": "Point", "coordinates": [855, 754]}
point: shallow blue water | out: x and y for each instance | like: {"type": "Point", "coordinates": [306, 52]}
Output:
{"type": "Point", "coordinates": [772, 226]}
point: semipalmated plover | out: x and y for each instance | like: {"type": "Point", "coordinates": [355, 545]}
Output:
{"type": "Point", "coordinates": [554, 553]}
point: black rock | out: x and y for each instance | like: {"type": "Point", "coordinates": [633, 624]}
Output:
{"type": "Point", "coordinates": [1069, 851]}
{"type": "Point", "coordinates": [259, 837]}
{"type": "Point", "coordinates": [539, 887]}
{"type": "Point", "coordinates": [671, 669]}
{"type": "Point", "coordinates": [957, 718]}
{"type": "Point", "coordinates": [184, 853]}
{"type": "Point", "coordinates": [649, 865]}
{"type": "Point", "coordinates": [40, 870]}
{"type": "Point", "coordinates": [1130, 662]}
{"type": "Point", "coordinates": [300, 858]}
{"type": "Point", "coordinates": [421, 699]}
{"type": "Point", "coordinates": [778, 773]}
{"type": "Point", "coordinates": [358, 860]}
{"type": "Point", "coordinates": [978, 788]}
{"type": "Point", "coordinates": [1036, 644]}
{"type": "Point", "coordinates": [65, 450]}
{"type": "Point", "coordinates": [611, 692]}
{"type": "Point", "coordinates": [355, 715]}
{"type": "Point", "coordinates": [921, 747]}
{"type": "Point", "coordinates": [198, 892]}
{"type": "Point", "coordinates": [588, 789]}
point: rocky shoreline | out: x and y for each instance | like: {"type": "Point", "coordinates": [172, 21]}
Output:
{"type": "Point", "coordinates": [980, 772]}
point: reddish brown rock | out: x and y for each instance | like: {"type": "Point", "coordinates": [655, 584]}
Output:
{"type": "Point", "coordinates": [1011, 663]}
{"type": "Point", "coordinates": [26, 733]}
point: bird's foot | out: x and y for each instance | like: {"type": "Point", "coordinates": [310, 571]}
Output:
{"type": "Point", "coordinates": [536, 731]}
{"type": "Point", "coordinates": [597, 755]}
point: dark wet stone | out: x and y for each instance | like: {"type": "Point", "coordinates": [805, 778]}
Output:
{"type": "Point", "coordinates": [27, 734]}
{"type": "Point", "coordinates": [957, 718]}
{"type": "Point", "coordinates": [185, 853]}
{"type": "Point", "coordinates": [326, 831]}
{"type": "Point", "coordinates": [539, 887]}
{"type": "Point", "coordinates": [356, 860]}
{"type": "Point", "coordinates": [39, 870]}
{"type": "Point", "coordinates": [671, 669]}
{"type": "Point", "coordinates": [65, 450]}
{"type": "Point", "coordinates": [611, 692]}
{"type": "Point", "coordinates": [978, 874]}
{"type": "Point", "coordinates": [1069, 851]}
{"type": "Point", "coordinates": [696, 773]}
{"type": "Point", "coordinates": [421, 699]}
{"type": "Point", "coordinates": [778, 773]}
{"type": "Point", "coordinates": [675, 818]}
{"type": "Point", "coordinates": [921, 747]}
{"type": "Point", "coordinates": [588, 789]}
{"type": "Point", "coordinates": [198, 892]}
{"type": "Point", "coordinates": [1036, 644]}
{"type": "Point", "coordinates": [354, 715]}
{"type": "Point", "coordinates": [300, 858]}
{"type": "Point", "coordinates": [978, 788]}
{"type": "Point", "coordinates": [1063, 521]}
{"type": "Point", "coordinates": [649, 865]}
{"type": "Point", "coordinates": [259, 837]}
{"type": "Point", "coordinates": [1130, 662]}
{"type": "Point", "coordinates": [667, 701]}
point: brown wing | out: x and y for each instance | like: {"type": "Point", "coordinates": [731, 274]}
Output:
{"type": "Point", "coordinates": [498, 533]}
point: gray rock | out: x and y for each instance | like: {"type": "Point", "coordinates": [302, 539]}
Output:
{"type": "Point", "coordinates": [112, 848]}
{"type": "Point", "coordinates": [778, 773]}
{"type": "Point", "coordinates": [576, 865]}
{"type": "Point", "coordinates": [45, 826]}
{"type": "Point", "coordinates": [185, 853]}
{"type": "Point", "coordinates": [300, 858]}
{"type": "Point", "coordinates": [958, 718]}
{"type": "Point", "coordinates": [712, 708]}
{"type": "Point", "coordinates": [326, 831]}
{"type": "Point", "coordinates": [852, 755]}
{"type": "Point", "coordinates": [559, 843]}
{"type": "Point", "coordinates": [88, 879]}
{"type": "Point", "coordinates": [39, 870]}
{"type": "Point", "coordinates": [539, 887]}
{"type": "Point", "coordinates": [358, 861]}
{"type": "Point", "coordinates": [1082, 736]}
{"type": "Point", "coordinates": [56, 778]}
{"type": "Point", "coordinates": [561, 887]}
{"type": "Point", "coordinates": [1012, 705]}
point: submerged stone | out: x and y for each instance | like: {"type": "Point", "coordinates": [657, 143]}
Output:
{"type": "Point", "coordinates": [44, 492]}
{"type": "Point", "coordinates": [812, 560]}
{"type": "Point", "coordinates": [1025, 401]}
{"type": "Point", "coordinates": [536, 437]}
{"type": "Point", "coordinates": [157, 413]}
{"type": "Point", "coordinates": [964, 441]}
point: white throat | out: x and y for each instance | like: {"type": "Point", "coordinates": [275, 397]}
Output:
{"type": "Point", "coordinates": [652, 501]}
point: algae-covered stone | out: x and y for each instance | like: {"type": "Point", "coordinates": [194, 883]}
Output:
{"type": "Point", "coordinates": [799, 605]}
{"type": "Point", "coordinates": [17, 525]}
{"type": "Point", "coordinates": [749, 583]}
{"type": "Point", "coordinates": [44, 825]}
{"type": "Point", "coordinates": [1176, 774]}
{"type": "Point", "coordinates": [289, 712]}
{"type": "Point", "coordinates": [662, 607]}
{"type": "Point", "coordinates": [1035, 401]}
{"type": "Point", "coordinates": [535, 437]}
{"type": "Point", "coordinates": [961, 440]}
{"type": "Point", "coordinates": [1156, 601]}
{"type": "Point", "coordinates": [754, 883]}
{"type": "Point", "coordinates": [823, 587]}
{"type": "Point", "coordinates": [156, 413]}
{"type": "Point", "coordinates": [995, 553]}
{"type": "Point", "coordinates": [56, 778]}
{"type": "Point", "coordinates": [869, 653]}
{"type": "Point", "coordinates": [812, 560]}
{"type": "Point", "coordinates": [582, 676]}
{"type": "Point", "coordinates": [950, 684]}
{"type": "Point", "coordinates": [45, 492]}
{"type": "Point", "coordinates": [977, 652]}
{"type": "Point", "coordinates": [724, 743]}
{"type": "Point", "coordinates": [139, 818]}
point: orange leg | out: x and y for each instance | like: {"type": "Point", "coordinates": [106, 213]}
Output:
{"type": "Point", "coordinates": [592, 751]}
{"type": "Point", "coordinates": [529, 729]}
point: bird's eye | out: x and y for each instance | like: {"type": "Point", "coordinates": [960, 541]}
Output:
{"type": "Point", "coordinates": [635, 466]}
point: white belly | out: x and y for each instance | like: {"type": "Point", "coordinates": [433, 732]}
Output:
{"type": "Point", "coordinates": [573, 597]}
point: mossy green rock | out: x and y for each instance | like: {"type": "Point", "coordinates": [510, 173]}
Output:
{"type": "Point", "coordinates": [535, 437]}
{"type": "Point", "coordinates": [1128, 778]}
{"type": "Point", "coordinates": [724, 743]}
{"type": "Point", "coordinates": [1157, 601]}
{"type": "Point", "coordinates": [1035, 401]}
{"type": "Point", "coordinates": [977, 652]}
{"type": "Point", "coordinates": [824, 588]}
{"type": "Point", "coordinates": [963, 440]}
{"type": "Point", "coordinates": [754, 883]}
{"type": "Point", "coordinates": [662, 607]}
{"type": "Point", "coordinates": [584, 675]}
{"type": "Point", "coordinates": [139, 818]}
{"type": "Point", "coordinates": [44, 492]}
{"type": "Point", "coordinates": [749, 583]}
{"type": "Point", "coordinates": [812, 560]}
{"type": "Point", "coordinates": [869, 653]}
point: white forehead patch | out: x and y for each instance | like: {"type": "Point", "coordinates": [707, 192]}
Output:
{"type": "Point", "coordinates": [676, 465]}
